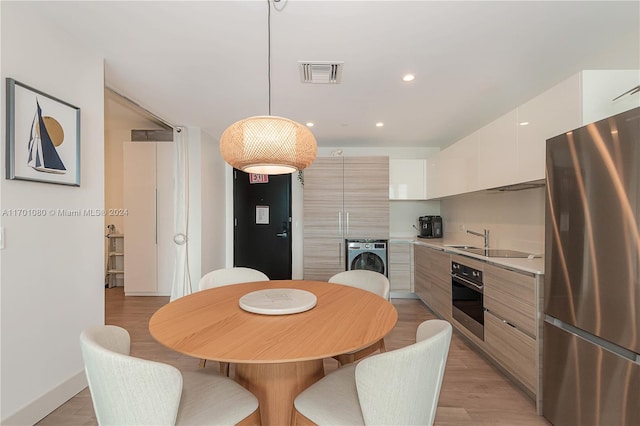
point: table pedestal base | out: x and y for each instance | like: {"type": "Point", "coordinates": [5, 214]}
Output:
{"type": "Point", "coordinates": [277, 385]}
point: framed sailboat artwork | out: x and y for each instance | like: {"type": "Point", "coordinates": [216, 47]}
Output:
{"type": "Point", "coordinates": [43, 137]}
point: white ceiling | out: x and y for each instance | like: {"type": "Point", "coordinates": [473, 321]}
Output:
{"type": "Point", "coordinates": [204, 63]}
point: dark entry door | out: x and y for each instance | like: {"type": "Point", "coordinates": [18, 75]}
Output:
{"type": "Point", "coordinates": [262, 231]}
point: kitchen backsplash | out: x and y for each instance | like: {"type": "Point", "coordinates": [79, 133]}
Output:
{"type": "Point", "coordinates": [515, 220]}
{"type": "Point", "coordinates": [403, 214]}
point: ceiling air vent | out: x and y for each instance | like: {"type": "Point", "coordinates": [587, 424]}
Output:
{"type": "Point", "coordinates": [319, 72]}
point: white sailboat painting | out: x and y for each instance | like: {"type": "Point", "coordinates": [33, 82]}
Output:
{"type": "Point", "coordinates": [43, 156]}
{"type": "Point", "coordinates": [43, 137]}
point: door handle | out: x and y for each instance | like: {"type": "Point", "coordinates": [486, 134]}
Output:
{"type": "Point", "coordinates": [282, 234]}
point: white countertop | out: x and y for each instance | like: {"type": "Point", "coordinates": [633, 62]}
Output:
{"type": "Point", "coordinates": [533, 266]}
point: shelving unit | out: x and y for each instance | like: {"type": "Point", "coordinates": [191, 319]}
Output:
{"type": "Point", "coordinates": [115, 267]}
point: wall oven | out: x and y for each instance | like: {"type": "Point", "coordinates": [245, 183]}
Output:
{"type": "Point", "coordinates": [467, 298]}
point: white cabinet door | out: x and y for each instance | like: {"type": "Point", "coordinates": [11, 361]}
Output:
{"type": "Point", "coordinates": [407, 179]}
{"type": "Point", "coordinates": [505, 152]}
{"type": "Point", "coordinates": [148, 197]}
{"type": "Point", "coordinates": [497, 152]}
{"type": "Point", "coordinates": [434, 187]}
{"type": "Point", "coordinates": [600, 87]}
{"type": "Point", "coordinates": [547, 115]}
{"type": "Point", "coordinates": [460, 171]}
{"type": "Point", "coordinates": [140, 225]}
{"type": "Point", "coordinates": [455, 168]}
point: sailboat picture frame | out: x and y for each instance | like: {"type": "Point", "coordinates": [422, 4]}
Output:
{"type": "Point", "coordinates": [43, 137]}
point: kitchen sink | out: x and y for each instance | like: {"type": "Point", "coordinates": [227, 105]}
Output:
{"type": "Point", "coordinates": [500, 253]}
{"type": "Point", "coordinates": [462, 247]}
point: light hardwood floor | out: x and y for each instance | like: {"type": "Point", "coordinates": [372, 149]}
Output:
{"type": "Point", "coordinates": [473, 391]}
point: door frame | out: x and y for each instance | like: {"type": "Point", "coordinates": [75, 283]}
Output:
{"type": "Point", "coordinates": [296, 223]}
{"type": "Point", "coordinates": [286, 182]}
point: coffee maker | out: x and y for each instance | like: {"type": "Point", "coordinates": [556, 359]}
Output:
{"type": "Point", "coordinates": [430, 227]}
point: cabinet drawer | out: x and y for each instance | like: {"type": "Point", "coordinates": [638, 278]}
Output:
{"type": "Point", "coordinates": [511, 296]}
{"type": "Point", "coordinates": [514, 350]}
{"type": "Point", "coordinates": [421, 283]}
{"type": "Point", "coordinates": [438, 266]}
{"type": "Point", "coordinates": [441, 298]}
{"type": "Point", "coordinates": [400, 266]}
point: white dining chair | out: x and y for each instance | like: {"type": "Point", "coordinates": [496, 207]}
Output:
{"type": "Point", "coordinates": [132, 391]}
{"type": "Point", "coordinates": [399, 387]}
{"type": "Point", "coordinates": [371, 281]}
{"type": "Point", "coordinates": [228, 276]}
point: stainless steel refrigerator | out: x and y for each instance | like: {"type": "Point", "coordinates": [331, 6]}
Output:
{"type": "Point", "coordinates": [591, 336]}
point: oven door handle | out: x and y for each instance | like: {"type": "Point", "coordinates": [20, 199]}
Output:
{"type": "Point", "coordinates": [466, 282]}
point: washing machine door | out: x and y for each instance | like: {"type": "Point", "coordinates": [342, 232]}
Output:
{"type": "Point", "coordinates": [369, 261]}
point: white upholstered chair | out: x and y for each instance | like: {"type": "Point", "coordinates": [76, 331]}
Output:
{"type": "Point", "coordinates": [399, 387]}
{"type": "Point", "coordinates": [366, 280]}
{"type": "Point", "coordinates": [228, 276]}
{"type": "Point", "coordinates": [132, 391]}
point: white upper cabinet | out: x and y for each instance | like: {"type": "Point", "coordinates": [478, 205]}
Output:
{"type": "Point", "coordinates": [434, 187]}
{"type": "Point", "coordinates": [498, 152]}
{"type": "Point", "coordinates": [508, 151]}
{"type": "Point", "coordinates": [407, 179]}
{"type": "Point", "coordinates": [545, 116]}
{"type": "Point", "coordinates": [454, 170]}
{"type": "Point", "coordinates": [600, 87]}
{"type": "Point", "coordinates": [581, 99]}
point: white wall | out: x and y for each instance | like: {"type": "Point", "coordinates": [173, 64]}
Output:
{"type": "Point", "coordinates": [119, 120]}
{"type": "Point", "coordinates": [194, 236]}
{"type": "Point", "coordinates": [515, 220]}
{"type": "Point", "coordinates": [213, 206]}
{"type": "Point", "coordinates": [52, 281]}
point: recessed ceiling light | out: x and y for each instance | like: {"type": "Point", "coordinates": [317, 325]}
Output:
{"type": "Point", "coordinates": [379, 124]}
{"type": "Point", "coordinates": [524, 123]}
{"type": "Point", "coordinates": [409, 77]}
{"type": "Point", "coordinates": [309, 124]}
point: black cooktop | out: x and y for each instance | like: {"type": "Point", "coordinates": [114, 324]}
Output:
{"type": "Point", "coordinates": [499, 253]}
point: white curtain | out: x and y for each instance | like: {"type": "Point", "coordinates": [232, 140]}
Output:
{"type": "Point", "coordinates": [181, 280]}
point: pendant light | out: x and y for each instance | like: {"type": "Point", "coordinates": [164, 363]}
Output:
{"type": "Point", "coordinates": [268, 144]}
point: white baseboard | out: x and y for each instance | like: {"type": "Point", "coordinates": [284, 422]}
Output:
{"type": "Point", "coordinates": [402, 295]}
{"type": "Point", "coordinates": [138, 293]}
{"type": "Point", "coordinates": [45, 404]}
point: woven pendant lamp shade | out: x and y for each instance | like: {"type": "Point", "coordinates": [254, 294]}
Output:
{"type": "Point", "coordinates": [268, 145]}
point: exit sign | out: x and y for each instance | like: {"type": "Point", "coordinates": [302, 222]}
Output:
{"type": "Point", "coordinates": [258, 178]}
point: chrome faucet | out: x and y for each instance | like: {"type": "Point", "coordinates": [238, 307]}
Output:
{"type": "Point", "coordinates": [485, 235]}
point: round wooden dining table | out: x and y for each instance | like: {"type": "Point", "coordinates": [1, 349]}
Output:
{"type": "Point", "coordinates": [276, 356]}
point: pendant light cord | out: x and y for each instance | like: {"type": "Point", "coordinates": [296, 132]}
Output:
{"type": "Point", "coordinates": [269, 50]}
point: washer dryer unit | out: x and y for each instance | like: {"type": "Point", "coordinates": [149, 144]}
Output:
{"type": "Point", "coordinates": [367, 254]}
